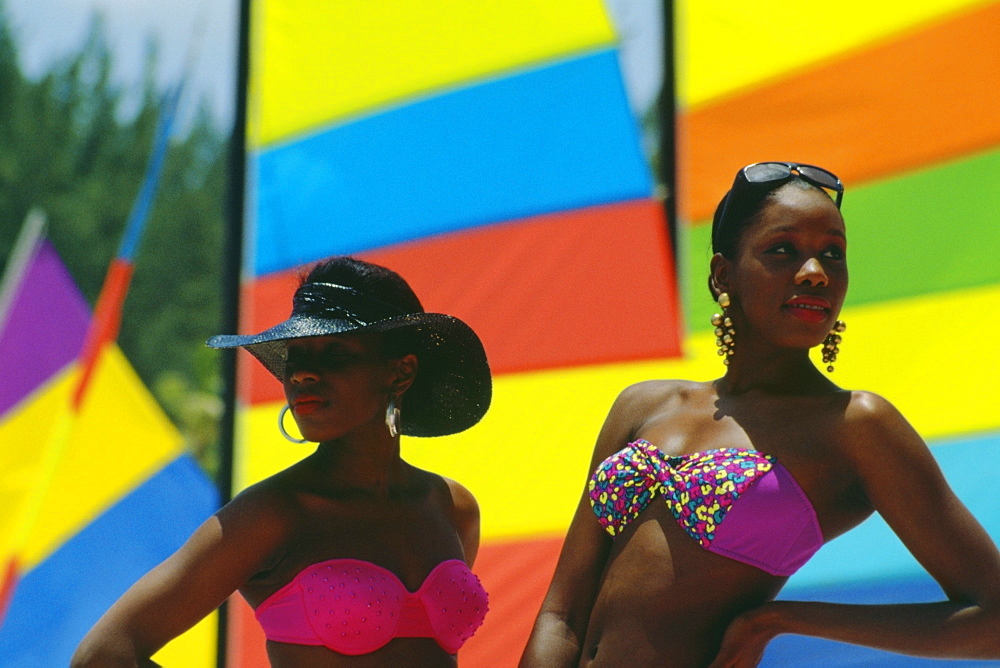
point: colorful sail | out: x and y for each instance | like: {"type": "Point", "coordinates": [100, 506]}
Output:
{"type": "Point", "coordinates": [898, 100]}
{"type": "Point", "coordinates": [487, 152]}
{"type": "Point", "coordinates": [123, 496]}
{"type": "Point", "coordinates": [90, 458]}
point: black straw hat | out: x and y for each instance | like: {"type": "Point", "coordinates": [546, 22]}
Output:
{"type": "Point", "coordinates": [452, 390]}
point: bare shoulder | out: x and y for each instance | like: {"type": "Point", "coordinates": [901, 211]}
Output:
{"type": "Point", "coordinates": [460, 495]}
{"type": "Point", "coordinates": [639, 399]}
{"type": "Point", "coordinates": [271, 496]}
{"type": "Point", "coordinates": [636, 406]}
{"type": "Point", "coordinates": [662, 390]}
{"type": "Point", "coordinates": [869, 416]}
{"type": "Point", "coordinates": [876, 433]}
{"type": "Point", "coordinates": [264, 513]}
{"type": "Point", "coordinates": [462, 509]}
{"type": "Point", "coordinates": [454, 497]}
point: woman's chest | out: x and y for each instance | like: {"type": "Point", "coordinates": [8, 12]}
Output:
{"type": "Point", "coordinates": [406, 539]}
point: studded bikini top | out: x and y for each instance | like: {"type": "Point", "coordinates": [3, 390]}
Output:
{"type": "Point", "coordinates": [356, 607]}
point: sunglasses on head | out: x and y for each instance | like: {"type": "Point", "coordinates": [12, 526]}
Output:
{"type": "Point", "coordinates": [770, 175]}
{"type": "Point", "coordinates": [776, 173]}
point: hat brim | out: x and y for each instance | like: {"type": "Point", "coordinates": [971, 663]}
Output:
{"type": "Point", "coordinates": [452, 390]}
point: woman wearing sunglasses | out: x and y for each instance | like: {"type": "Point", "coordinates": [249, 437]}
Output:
{"type": "Point", "coordinates": [706, 496]}
{"type": "Point", "coordinates": [352, 556]}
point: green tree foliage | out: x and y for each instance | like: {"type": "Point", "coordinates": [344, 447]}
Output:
{"type": "Point", "coordinates": [68, 148]}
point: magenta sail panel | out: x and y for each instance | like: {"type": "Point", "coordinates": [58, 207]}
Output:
{"type": "Point", "coordinates": [31, 349]}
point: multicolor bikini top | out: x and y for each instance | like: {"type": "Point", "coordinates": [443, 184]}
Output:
{"type": "Point", "coordinates": [356, 607]}
{"type": "Point", "coordinates": [739, 503]}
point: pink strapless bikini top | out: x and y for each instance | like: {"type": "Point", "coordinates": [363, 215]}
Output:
{"type": "Point", "coordinates": [356, 607]}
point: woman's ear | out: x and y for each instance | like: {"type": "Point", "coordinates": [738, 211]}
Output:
{"type": "Point", "coordinates": [718, 278]}
{"type": "Point", "coordinates": [404, 373]}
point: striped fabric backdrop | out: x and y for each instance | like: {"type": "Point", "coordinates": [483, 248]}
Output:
{"type": "Point", "coordinates": [899, 100]}
{"type": "Point", "coordinates": [486, 152]}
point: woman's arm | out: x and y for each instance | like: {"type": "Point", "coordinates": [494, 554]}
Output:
{"type": "Point", "coordinates": [561, 624]}
{"type": "Point", "coordinates": [906, 486]}
{"type": "Point", "coordinates": [222, 554]}
{"type": "Point", "coordinates": [559, 629]}
{"type": "Point", "coordinates": [465, 516]}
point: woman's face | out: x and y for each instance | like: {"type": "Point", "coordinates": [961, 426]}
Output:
{"type": "Point", "coordinates": [790, 273]}
{"type": "Point", "coordinates": [335, 384]}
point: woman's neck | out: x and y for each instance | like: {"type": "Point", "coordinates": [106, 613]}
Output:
{"type": "Point", "coordinates": [362, 462]}
{"type": "Point", "coordinates": [777, 372]}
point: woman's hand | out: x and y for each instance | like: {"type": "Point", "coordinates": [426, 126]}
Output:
{"type": "Point", "coordinates": [745, 639]}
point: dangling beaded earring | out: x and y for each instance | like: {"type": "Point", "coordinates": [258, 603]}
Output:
{"type": "Point", "coordinates": [392, 417]}
{"type": "Point", "coordinates": [281, 427]}
{"type": "Point", "coordinates": [831, 344]}
{"type": "Point", "coordinates": [725, 335]}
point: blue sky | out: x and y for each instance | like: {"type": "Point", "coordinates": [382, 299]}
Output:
{"type": "Point", "coordinates": [47, 30]}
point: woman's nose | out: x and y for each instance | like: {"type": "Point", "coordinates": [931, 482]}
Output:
{"type": "Point", "coordinates": [811, 272]}
{"type": "Point", "coordinates": [302, 375]}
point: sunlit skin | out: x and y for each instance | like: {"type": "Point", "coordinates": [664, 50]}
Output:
{"type": "Point", "coordinates": [653, 596]}
{"type": "Point", "coordinates": [354, 497]}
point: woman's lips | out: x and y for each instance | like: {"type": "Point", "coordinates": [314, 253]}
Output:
{"type": "Point", "coordinates": [810, 309]}
{"type": "Point", "coordinates": [307, 406]}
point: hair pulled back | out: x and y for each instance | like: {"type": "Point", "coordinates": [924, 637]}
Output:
{"type": "Point", "coordinates": [375, 281]}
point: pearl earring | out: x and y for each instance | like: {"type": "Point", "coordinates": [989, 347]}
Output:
{"type": "Point", "coordinates": [725, 335]}
{"type": "Point", "coordinates": [831, 344]}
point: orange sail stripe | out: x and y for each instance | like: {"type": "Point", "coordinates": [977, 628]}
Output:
{"type": "Point", "coordinates": [913, 108]}
{"type": "Point", "coordinates": [245, 641]}
{"type": "Point", "coordinates": [586, 313]}
{"type": "Point", "coordinates": [104, 326]}
{"type": "Point", "coordinates": [10, 577]}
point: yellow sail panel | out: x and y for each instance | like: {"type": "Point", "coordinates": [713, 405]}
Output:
{"type": "Point", "coordinates": [727, 47]}
{"type": "Point", "coordinates": [96, 470]}
{"type": "Point", "coordinates": [313, 63]}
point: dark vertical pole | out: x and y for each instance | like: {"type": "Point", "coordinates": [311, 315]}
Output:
{"type": "Point", "coordinates": [667, 113]}
{"type": "Point", "coordinates": [232, 276]}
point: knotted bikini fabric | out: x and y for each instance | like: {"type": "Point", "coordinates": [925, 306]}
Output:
{"type": "Point", "coordinates": [742, 504]}
{"type": "Point", "coordinates": [699, 489]}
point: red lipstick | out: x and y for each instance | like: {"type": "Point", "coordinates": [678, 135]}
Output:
{"type": "Point", "coordinates": [306, 404]}
{"type": "Point", "coordinates": [808, 308]}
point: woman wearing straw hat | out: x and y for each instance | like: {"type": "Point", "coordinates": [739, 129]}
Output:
{"type": "Point", "coordinates": [705, 497]}
{"type": "Point", "coordinates": [350, 556]}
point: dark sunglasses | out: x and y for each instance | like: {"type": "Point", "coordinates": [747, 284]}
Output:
{"type": "Point", "coordinates": [770, 175]}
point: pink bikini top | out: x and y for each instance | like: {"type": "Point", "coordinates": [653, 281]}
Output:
{"type": "Point", "coordinates": [357, 607]}
{"type": "Point", "coordinates": [739, 503]}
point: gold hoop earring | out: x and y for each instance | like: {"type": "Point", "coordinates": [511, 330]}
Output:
{"type": "Point", "coordinates": [392, 417]}
{"type": "Point", "coordinates": [725, 335]}
{"type": "Point", "coordinates": [281, 427]}
{"type": "Point", "coordinates": [831, 344]}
